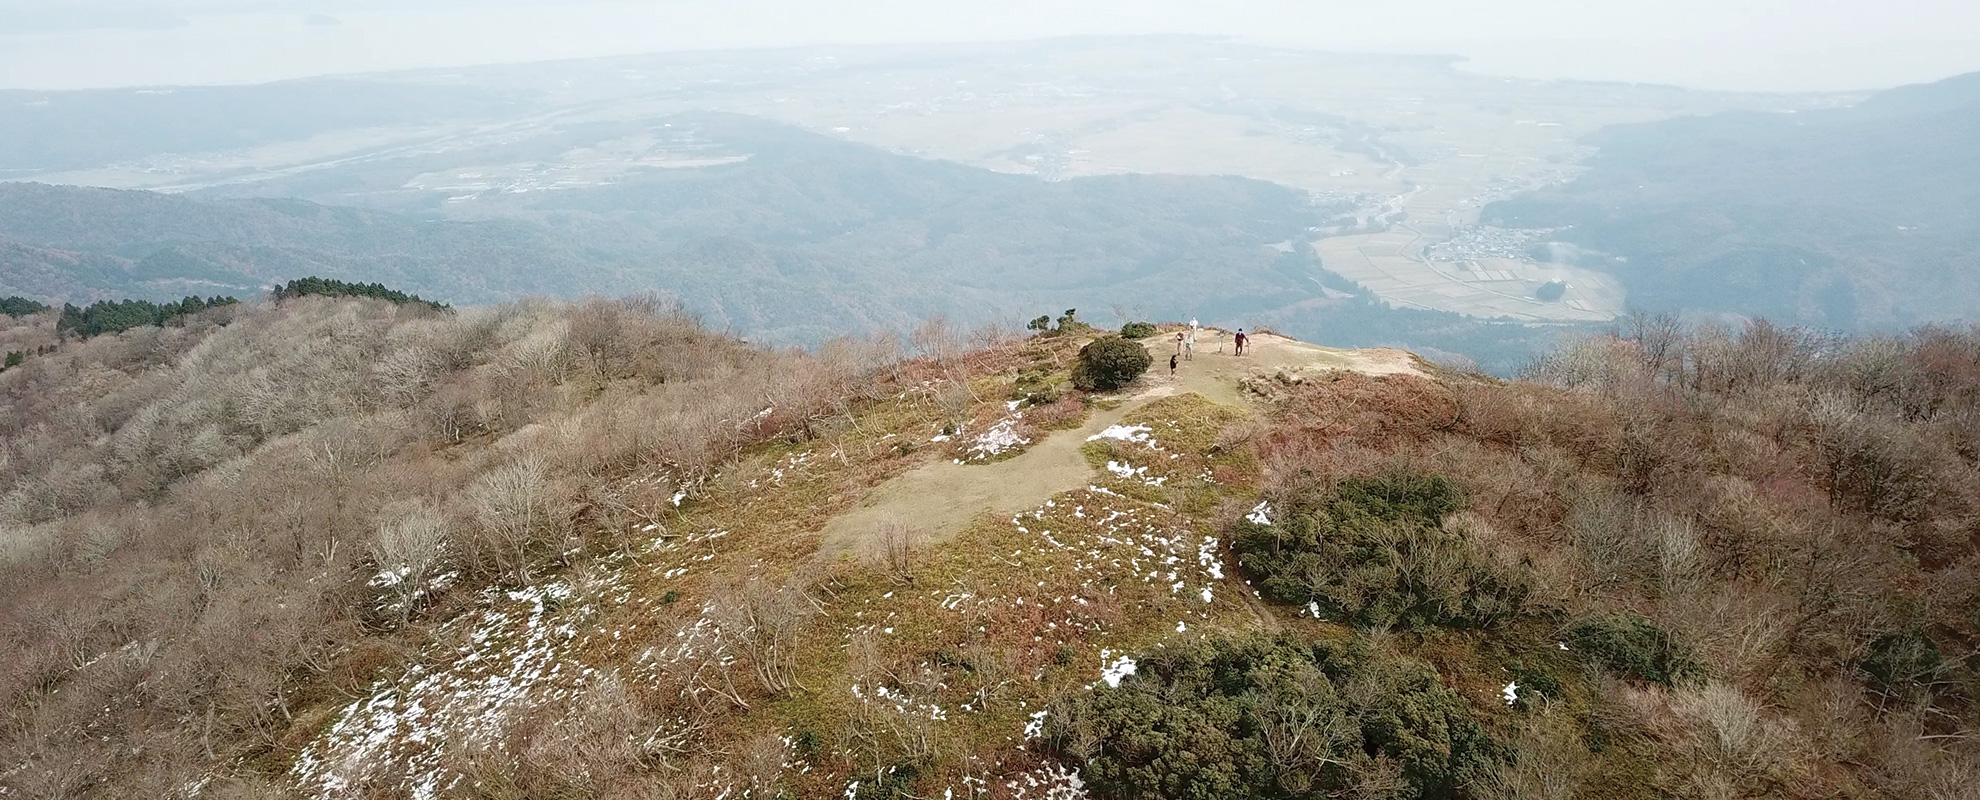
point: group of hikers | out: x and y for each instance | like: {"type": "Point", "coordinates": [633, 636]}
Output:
{"type": "Point", "coordinates": [1186, 346]}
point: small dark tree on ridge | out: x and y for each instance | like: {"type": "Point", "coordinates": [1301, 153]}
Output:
{"type": "Point", "coordinates": [1109, 363]}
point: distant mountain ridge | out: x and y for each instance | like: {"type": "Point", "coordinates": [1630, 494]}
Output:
{"type": "Point", "coordinates": [151, 245]}
{"type": "Point", "coordinates": [1847, 218]}
{"type": "Point", "coordinates": [807, 238]}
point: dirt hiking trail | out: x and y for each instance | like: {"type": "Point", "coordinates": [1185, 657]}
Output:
{"type": "Point", "coordinates": [940, 499]}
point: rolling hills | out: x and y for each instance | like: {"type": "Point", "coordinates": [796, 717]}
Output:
{"type": "Point", "coordinates": [1859, 217]}
{"type": "Point", "coordinates": [792, 236]}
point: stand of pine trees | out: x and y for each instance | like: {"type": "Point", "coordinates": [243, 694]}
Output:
{"type": "Point", "coordinates": [113, 316]}
{"type": "Point", "coordinates": [329, 287]}
{"type": "Point", "coordinates": [16, 306]}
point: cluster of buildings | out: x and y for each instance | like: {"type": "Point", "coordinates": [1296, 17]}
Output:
{"type": "Point", "coordinates": [1475, 242]}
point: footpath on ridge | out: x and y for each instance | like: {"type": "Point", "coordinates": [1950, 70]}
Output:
{"type": "Point", "coordinates": [940, 499]}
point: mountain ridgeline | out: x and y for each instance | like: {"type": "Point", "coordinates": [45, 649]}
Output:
{"type": "Point", "coordinates": [339, 547]}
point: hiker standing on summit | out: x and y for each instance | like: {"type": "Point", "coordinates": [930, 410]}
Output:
{"type": "Point", "coordinates": [1239, 341]}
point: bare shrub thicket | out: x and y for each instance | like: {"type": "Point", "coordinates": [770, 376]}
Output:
{"type": "Point", "coordinates": [1794, 510]}
{"type": "Point", "coordinates": [899, 542]}
{"type": "Point", "coordinates": [209, 533]}
{"type": "Point", "coordinates": [761, 622]}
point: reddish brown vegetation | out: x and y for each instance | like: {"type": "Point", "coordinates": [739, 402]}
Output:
{"type": "Point", "coordinates": [1801, 511]}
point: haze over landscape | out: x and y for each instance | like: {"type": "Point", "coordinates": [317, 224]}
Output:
{"type": "Point", "coordinates": [643, 400]}
{"type": "Point", "coordinates": [1756, 45]}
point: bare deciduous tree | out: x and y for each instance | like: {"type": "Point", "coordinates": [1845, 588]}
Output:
{"type": "Point", "coordinates": [521, 510]}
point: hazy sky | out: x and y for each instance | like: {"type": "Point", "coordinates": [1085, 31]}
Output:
{"type": "Point", "coordinates": [1719, 44]}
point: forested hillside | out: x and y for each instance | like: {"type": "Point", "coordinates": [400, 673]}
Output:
{"type": "Point", "coordinates": [346, 548]}
{"type": "Point", "coordinates": [108, 244]}
{"type": "Point", "coordinates": [1860, 217]}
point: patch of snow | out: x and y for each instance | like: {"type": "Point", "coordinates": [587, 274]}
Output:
{"type": "Point", "coordinates": [1121, 668]}
{"type": "Point", "coordinates": [1036, 727]}
{"type": "Point", "coordinates": [1511, 693]}
{"type": "Point", "coordinates": [1050, 782]}
{"type": "Point", "coordinates": [1260, 513]}
{"type": "Point", "coordinates": [999, 439]}
{"type": "Point", "coordinates": [399, 735]}
{"type": "Point", "coordinates": [1140, 434]}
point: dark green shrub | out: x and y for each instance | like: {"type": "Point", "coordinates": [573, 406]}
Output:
{"type": "Point", "coordinates": [1271, 718]}
{"type": "Point", "coordinates": [1109, 363]}
{"type": "Point", "coordinates": [1899, 663]}
{"type": "Point", "coordinates": [1375, 552]}
{"type": "Point", "coordinates": [1138, 330]}
{"type": "Point", "coordinates": [15, 358]}
{"type": "Point", "coordinates": [1628, 644]}
{"type": "Point", "coordinates": [1038, 386]}
{"type": "Point", "coordinates": [1398, 497]}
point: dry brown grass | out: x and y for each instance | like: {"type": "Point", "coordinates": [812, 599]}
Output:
{"type": "Point", "coordinates": [193, 520]}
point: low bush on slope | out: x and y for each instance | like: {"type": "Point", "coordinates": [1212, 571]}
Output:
{"type": "Point", "coordinates": [1376, 552]}
{"type": "Point", "coordinates": [1109, 363]}
{"type": "Point", "coordinates": [1633, 646]}
{"type": "Point", "coordinates": [1273, 718]}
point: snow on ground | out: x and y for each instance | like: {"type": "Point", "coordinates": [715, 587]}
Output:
{"type": "Point", "coordinates": [513, 654]}
{"type": "Point", "coordinates": [1000, 438]}
{"type": "Point", "coordinates": [899, 702]}
{"type": "Point", "coordinates": [1113, 673]}
{"type": "Point", "coordinates": [1050, 782]}
{"type": "Point", "coordinates": [1139, 434]}
{"type": "Point", "coordinates": [1131, 472]}
{"type": "Point", "coordinates": [1261, 513]}
{"type": "Point", "coordinates": [1035, 728]}
{"type": "Point", "coordinates": [457, 698]}
{"type": "Point", "coordinates": [1114, 539]}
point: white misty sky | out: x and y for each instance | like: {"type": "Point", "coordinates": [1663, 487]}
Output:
{"type": "Point", "coordinates": [1775, 45]}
